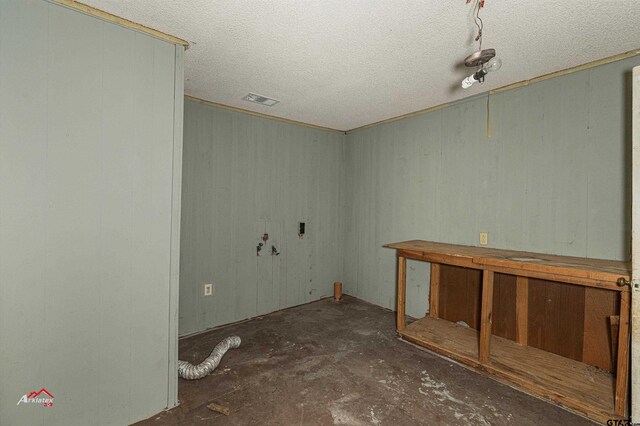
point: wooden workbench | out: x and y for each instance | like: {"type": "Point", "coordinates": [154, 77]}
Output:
{"type": "Point", "coordinates": [558, 326]}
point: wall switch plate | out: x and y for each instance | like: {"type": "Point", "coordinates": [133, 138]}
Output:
{"type": "Point", "coordinates": [484, 238]}
{"type": "Point", "coordinates": [208, 289]}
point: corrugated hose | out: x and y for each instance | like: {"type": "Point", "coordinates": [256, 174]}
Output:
{"type": "Point", "coordinates": [189, 371]}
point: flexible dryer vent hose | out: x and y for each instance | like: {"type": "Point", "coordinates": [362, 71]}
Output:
{"type": "Point", "coordinates": [189, 371]}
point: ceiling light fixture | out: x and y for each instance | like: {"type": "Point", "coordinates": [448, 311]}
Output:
{"type": "Point", "coordinates": [483, 59]}
{"type": "Point", "coordinates": [493, 65]}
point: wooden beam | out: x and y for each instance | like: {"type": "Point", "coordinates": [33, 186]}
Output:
{"type": "Point", "coordinates": [434, 290]}
{"type": "Point", "coordinates": [402, 292]}
{"type": "Point", "coordinates": [622, 370]}
{"type": "Point", "coordinates": [522, 310]}
{"type": "Point", "coordinates": [584, 282]}
{"type": "Point", "coordinates": [486, 316]}
{"type": "Point", "coordinates": [614, 327]}
{"type": "Point", "coordinates": [465, 262]}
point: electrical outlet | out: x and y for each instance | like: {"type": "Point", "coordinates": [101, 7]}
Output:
{"type": "Point", "coordinates": [484, 238]}
{"type": "Point", "coordinates": [208, 289]}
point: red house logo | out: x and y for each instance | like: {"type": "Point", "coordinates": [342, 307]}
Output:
{"type": "Point", "coordinates": [42, 396]}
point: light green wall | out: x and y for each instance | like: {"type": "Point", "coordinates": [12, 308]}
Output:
{"type": "Point", "coordinates": [554, 178]}
{"type": "Point", "coordinates": [87, 145]}
{"type": "Point", "coordinates": [244, 176]}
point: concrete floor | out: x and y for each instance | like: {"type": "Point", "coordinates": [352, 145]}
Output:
{"type": "Point", "coordinates": [342, 363]}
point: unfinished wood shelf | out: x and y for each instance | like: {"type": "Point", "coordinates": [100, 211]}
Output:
{"type": "Point", "coordinates": [542, 373]}
{"type": "Point", "coordinates": [556, 326]}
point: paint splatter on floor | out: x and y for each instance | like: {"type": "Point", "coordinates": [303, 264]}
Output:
{"type": "Point", "coordinates": [464, 410]}
{"type": "Point", "coordinates": [306, 366]}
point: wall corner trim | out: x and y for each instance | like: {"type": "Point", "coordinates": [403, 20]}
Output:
{"type": "Point", "coordinates": [516, 85]}
{"type": "Point", "coordinates": [106, 16]}
{"type": "Point", "coordinates": [261, 115]}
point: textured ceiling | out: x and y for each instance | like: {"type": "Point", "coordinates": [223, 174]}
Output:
{"type": "Point", "coordinates": [346, 63]}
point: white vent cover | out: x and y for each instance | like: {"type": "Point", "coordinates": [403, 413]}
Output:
{"type": "Point", "coordinates": [259, 99]}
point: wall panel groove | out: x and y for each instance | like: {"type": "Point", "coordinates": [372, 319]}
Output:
{"type": "Point", "coordinates": [243, 175]}
{"type": "Point", "coordinates": [554, 178]}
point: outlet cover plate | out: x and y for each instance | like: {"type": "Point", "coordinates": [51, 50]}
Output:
{"type": "Point", "coordinates": [484, 238]}
{"type": "Point", "coordinates": [208, 289]}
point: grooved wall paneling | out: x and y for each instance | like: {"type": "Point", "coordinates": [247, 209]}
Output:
{"type": "Point", "coordinates": [244, 176]}
{"type": "Point", "coordinates": [87, 116]}
{"type": "Point", "coordinates": [553, 178]}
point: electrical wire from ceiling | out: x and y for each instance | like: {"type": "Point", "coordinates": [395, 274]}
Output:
{"type": "Point", "coordinates": [483, 60]}
{"type": "Point", "coordinates": [479, 4]}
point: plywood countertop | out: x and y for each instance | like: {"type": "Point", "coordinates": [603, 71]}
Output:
{"type": "Point", "coordinates": [579, 267]}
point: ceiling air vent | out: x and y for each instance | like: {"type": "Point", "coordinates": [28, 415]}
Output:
{"type": "Point", "coordinates": [259, 99]}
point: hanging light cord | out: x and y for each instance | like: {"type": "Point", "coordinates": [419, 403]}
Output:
{"type": "Point", "coordinates": [479, 4]}
{"type": "Point", "coordinates": [489, 128]}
